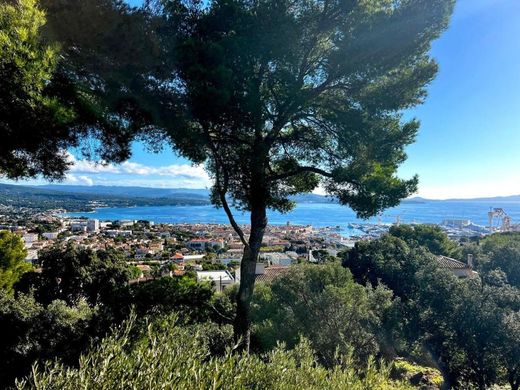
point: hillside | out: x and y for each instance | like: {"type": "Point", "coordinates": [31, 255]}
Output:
{"type": "Point", "coordinates": [41, 198]}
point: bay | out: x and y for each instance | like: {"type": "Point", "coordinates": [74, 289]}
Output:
{"type": "Point", "coordinates": [316, 214]}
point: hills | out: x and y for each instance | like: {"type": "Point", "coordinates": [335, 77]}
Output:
{"type": "Point", "coordinates": [168, 193]}
{"type": "Point", "coordinates": [201, 193]}
{"type": "Point", "coordinates": [85, 198]}
{"type": "Point", "coordinates": [131, 192]}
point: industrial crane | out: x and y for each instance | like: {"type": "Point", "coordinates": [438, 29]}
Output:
{"type": "Point", "coordinates": [502, 217]}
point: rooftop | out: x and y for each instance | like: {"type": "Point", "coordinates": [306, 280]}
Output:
{"type": "Point", "coordinates": [449, 263]}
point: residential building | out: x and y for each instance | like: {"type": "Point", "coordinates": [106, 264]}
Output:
{"type": "Point", "coordinates": [201, 244]}
{"type": "Point", "coordinates": [265, 273]}
{"type": "Point", "coordinates": [50, 235]}
{"type": "Point", "coordinates": [219, 279]}
{"type": "Point", "coordinates": [458, 268]}
{"type": "Point", "coordinates": [93, 225]}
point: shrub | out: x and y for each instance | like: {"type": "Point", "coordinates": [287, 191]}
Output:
{"type": "Point", "coordinates": [171, 357]}
{"type": "Point", "coordinates": [325, 305]}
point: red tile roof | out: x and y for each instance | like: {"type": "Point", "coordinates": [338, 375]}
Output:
{"type": "Point", "coordinates": [271, 273]}
{"type": "Point", "coordinates": [449, 263]}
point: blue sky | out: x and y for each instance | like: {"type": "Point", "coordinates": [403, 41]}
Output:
{"type": "Point", "coordinates": [469, 142]}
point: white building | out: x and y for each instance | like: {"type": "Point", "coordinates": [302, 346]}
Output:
{"type": "Point", "coordinates": [29, 239]}
{"type": "Point", "coordinates": [277, 258]}
{"type": "Point", "coordinates": [115, 233]}
{"type": "Point", "coordinates": [219, 279]}
{"type": "Point", "coordinates": [50, 235]}
{"type": "Point", "coordinates": [93, 225]}
{"type": "Point", "coordinates": [32, 256]}
{"type": "Point", "coordinates": [201, 244]}
{"type": "Point", "coordinates": [78, 226]}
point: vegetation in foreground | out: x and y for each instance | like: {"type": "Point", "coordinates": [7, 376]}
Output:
{"type": "Point", "coordinates": [168, 356]}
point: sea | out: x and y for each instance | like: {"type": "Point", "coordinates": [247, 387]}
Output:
{"type": "Point", "coordinates": [316, 214]}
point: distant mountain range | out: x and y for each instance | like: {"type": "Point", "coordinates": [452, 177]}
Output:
{"type": "Point", "coordinates": [79, 198]}
{"type": "Point", "coordinates": [201, 193]}
{"type": "Point", "coordinates": [133, 192]}
{"type": "Point", "coordinates": [74, 197]}
{"type": "Point", "coordinates": [166, 193]}
{"type": "Point", "coordinates": [510, 198]}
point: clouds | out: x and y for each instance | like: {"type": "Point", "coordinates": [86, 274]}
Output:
{"type": "Point", "coordinates": [80, 180]}
{"type": "Point", "coordinates": [132, 173]}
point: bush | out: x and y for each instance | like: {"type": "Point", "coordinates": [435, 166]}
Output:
{"type": "Point", "coordinates": [416, 374]}
{"type": "Point", "coordinates": [35, 332]}
{"type": "Point", "coordinates": [171, 357]}
{"type": "Point", "coordinates": [325, 305]}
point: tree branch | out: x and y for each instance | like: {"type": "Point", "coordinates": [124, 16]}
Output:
{"type": "Point", "coordinates": [222, 190]}
{"type": "Point", "coordinates": [299, 170]}
{"type": "Point", "coordinates": [231, 218]}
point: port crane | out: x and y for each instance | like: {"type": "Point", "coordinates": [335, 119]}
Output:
{"type": "Point", "coordinates": [502, 217]}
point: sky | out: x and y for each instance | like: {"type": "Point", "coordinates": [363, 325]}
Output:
{"type": "Point", "coordinates": [469, 142]}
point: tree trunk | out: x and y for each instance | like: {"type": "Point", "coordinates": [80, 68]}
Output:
{"type": "Point", "coordinates": [447, 379]}
{"type": "Point", "coordinates": [242, 323]}
{"type": "Point", "coordinates": [514, 380]}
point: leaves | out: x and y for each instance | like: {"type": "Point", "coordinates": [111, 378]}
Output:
{"type": "Point", "coordinates": [12, 260]}
{"type": "Point", "coordinates": [171, 356]}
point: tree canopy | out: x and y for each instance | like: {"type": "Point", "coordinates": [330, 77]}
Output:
{"type": "Point", "coordinates": [431, 237]}
{"type": "Point", "coordinates": [73, 273]}
{"type": "Point", "coordinates": [12, 260]}
{"type": "Point", "coordinates": [55, 90]}
{"type": "Point", "coordinates": [280, 97]}
{"type": "Point", "coordinates": [34, 123]}
{"type": "Point", "coordinates": [465, 326]}
{"type": "Point", "coordinates": [323, 304]}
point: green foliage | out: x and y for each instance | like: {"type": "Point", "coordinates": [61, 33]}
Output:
{"type": "Point", "coordinates": [34, 123]}
{"type": "Point", "coordinates": [135, 272]}
{"type": "Point", "coordinates": [461, 324]}
{"type": "Point", "coordinates": [12, 260]}
{"type": "Point", "coordinates": [430, 236]}
{"type": "Point", "coordinates": [189, 299]}
{"type": "Point", "coordinates": [501, 252]}
{"type": "Point", "coordinates": [325, 305]}
{"type": "Point", "coordinates": [411, 371]}
{"type": "Point", "coordinates": [322, 256]}
{"type": "Point", "coordinates": [509, 333]}
{"type": "Point", "coordinates": [388, 260]}
{"type": "Point", "coordinates": [280, 96]}
{"type": "Point", "coordinates": [497, 240]}
{"type": "Point", "coordinates": [57, 83]}
{"type": "Point", "coordinates": [73, 273]}
{"type": "Point", "coordinates": [206, 266]}
{"type": "Point", "coordinates": [32, 331]}
{"type": "Point", "coordinates": [272, 248]}
{"type": "Point", "coordinates": [45, 227]}
{"type": "Point", "coordinates": [169, 356]}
